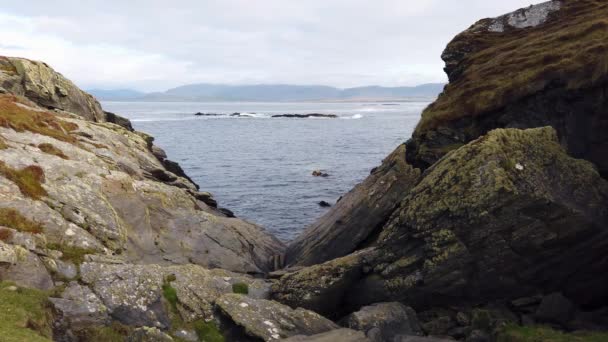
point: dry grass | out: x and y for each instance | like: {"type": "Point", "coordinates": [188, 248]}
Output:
{"type": "Point", "coordinates": [570, 51]}
{"type": "Point", "coordinates": [29, 179]}
{"type": "Point", "coordinates": [3, 144]}
{"type": "Point", "coordinates": [11, 218]}
{"type": "Point", "coordinates": [51, 149]}
{"type": "Point", "coordinates": [22, 119]}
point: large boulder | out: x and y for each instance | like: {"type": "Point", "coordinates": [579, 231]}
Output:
{"type": "Point", "coordinates": [538, 66]}
{"type": "Point", "coordinates": [358, 217]}
{"type": "Point", "coordinates": [506, 216]}
{"type": "Point", "coordinates": [269, 320]}
{"type": "Point", "coordinates": [384, 321]}
{"type": "Point", "coordinates": [341, 335]}
{"type": "Point", "coordinates": [40, 83]}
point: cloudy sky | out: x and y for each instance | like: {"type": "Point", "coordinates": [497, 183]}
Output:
{"type": "Point", "coordinates": [154, 45]}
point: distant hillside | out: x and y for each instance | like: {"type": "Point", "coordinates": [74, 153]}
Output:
{"type": "Point", "coordinates": [271, 92]}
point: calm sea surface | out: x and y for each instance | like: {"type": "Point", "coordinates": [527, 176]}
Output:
{"type": "Point", "coordinates": [260, 167]}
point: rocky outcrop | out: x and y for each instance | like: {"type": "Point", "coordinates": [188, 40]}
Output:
{"type": "Point", "coordinates": [342, 335]}
{"type": "Point", "coordinates": [384, 322]}
{"type": "Point", "coordinates": [49, 89]}
{"type": "Point", "coordinates": [539, 66]}
{"type": "Point", "coordinates": [495, 219]}
{"type": "Point", "coordinates": [356, 220]}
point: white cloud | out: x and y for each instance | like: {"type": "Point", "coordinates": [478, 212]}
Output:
{"type": "Point", "coordinates": [155, 45]}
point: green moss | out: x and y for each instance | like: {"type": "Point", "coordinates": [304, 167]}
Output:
{"type": "Point", "coordinates": [113, 332]}
{"type": "Point", "coordinates": [170, 295]}
{"type": "Point", "coordinates": [570, 49]}
{"type": "Point", "coordinates": [24, 315]}
{"type": "Point", "coordinates": [11, 218]}
{"type": "Point", "coordinates": [515, 333]}
{"type": "Point", "coordinates": [208, 331]}
{"type": "Point", "coordinates": [71, 253]}
{"type": "Point", "coordinates": [241, 288]}
{"type": "Point", "coordinates": [50, 149]}
{"type": "Point", "coordinates": [29, 179]}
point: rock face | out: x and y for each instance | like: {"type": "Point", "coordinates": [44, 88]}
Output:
{"type": "Point", "coordinates": [272, 321]}
{"type": "Point", "coordinates": [41, 84]}
{"type": "Point", "coordinates": [495, 219]}
{"type": "Point", "coordinates": [360, 214]}
{"type": "Point", "coordinates": [384, 321]}
{"type": "Point", "coordinates": [544, 65]}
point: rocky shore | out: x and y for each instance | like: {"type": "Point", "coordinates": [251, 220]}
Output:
{"type": "Point", "coordinates": [490, 224]}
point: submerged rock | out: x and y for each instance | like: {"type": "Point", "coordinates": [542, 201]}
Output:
{"type": "Point", "coordinates": [324, 204]}
{"type": "Point", "coordinates": [304, 116]}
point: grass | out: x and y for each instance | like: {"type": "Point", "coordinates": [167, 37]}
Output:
{"type": "Point", "coordinates": [515, 333]}
{"type": "Point", "coordinates": [11, 218]}
{"type": "Point", "coordinates": [29, 179]}
{"type": "Point", "coordinates": [241, 288]}
{"type": "Point", "coordinates": [113, 332]}
{"type": "Point", "coordinates": [25, 315]}
{"type": "Point", "coordinates": [569, 50]}
{"type": "Point", "coordinates": [22, 119]}
{"type": "Point", "coordinates": [51, 149]}
{"type": "Point", "coordinates": [170, 293]}
{"type": "Point", "coordinates": [71, 253]}
{"type": "Point", "coordinates": [208, 331]}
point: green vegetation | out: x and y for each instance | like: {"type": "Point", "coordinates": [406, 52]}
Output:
{"type": "Point", "coordinates": [515, 333]}
{"type": "Point", "coordinates": [207, 331]}
{"type": "Point", "coordinates": [113, 332]}
{"type": "Point", "coordinates": [29, 179]}
{"type": "Point", "coordinates": [22, 119]}
{"type": "Point", "coordinates": [241, 288]}
{"type": "Point", "coordinates": [169, 292]}
{"type": "Point", "coordinates": [25, 314]}
{"type": "Point", "coordinates": [71, 253]}
{"type": "Point", "coordinates": [570, 50]}
{"type": "Point", "coordinates": [50, 149]}
{"type": "Point", "coordinates": [11, 218]}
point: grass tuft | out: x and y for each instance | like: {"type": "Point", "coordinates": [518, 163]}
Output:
{"type": "Point", "coordinates": [29, 179]}
{"type": "Point", "coordinates": [241, 288]}
{"type": "Point", "coordinates": [71, 253]}
{"type": "Point", "coordinates": [25, 314]}
{"type": "Point", "coordinates": [170, 295]}
{"type": "Point", "coordinates": [11, 218]}
{"type": "Point", "coordinates": [51, 149]}
{"type": "Point", "coordinates": [208, 331]}
{"type": "Point", "coordinates": [515, 333]}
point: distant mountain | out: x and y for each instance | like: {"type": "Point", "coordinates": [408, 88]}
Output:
{"type": "Point", "coordinates": [272, 92]}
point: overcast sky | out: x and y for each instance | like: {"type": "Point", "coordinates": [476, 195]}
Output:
{"type": "Point", "coordinates": [154, 45]}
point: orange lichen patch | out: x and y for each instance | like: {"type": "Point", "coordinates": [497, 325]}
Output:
{"type": "Point", "coordinates": [570, 51]}
{"type": "Point", "coordinates": [11, 218]}
{"type": "Point", "coordinates": [50, 149]}
{"type": "Point", "coordinates": [22, 119]}
{"type": "Point", "coordinates": [29, 179]}
{"type": "Point", "coordinates": [5, 234]}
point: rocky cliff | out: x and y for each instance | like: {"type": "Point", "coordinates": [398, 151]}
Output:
{"type": "Point", "coordinates": [497, 208]}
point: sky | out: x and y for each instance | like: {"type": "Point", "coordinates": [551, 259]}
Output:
{"type": "Point", "coordinates": [155, 45]}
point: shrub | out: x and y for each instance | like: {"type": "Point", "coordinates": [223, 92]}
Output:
{"type": "Point", "coordinates": [29, 179]}
{"type": "Point", "coordinates": [13, 219]}
{"type": "Point", "coordinates": [241, 288]}
{"type": "Point", "coordinates": [50, 149]}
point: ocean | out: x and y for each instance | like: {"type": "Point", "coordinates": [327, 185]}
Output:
{"type": "Point", "coordinates": [261, 167]}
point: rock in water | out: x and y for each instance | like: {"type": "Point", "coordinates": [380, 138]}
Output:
{"type": "Point", "coordinates": [467, 231]}
{"type": "Point", "coordinates": [304, 116]}
{"type": "Point", "coordinates": [357, 216]}
{"type": "Point", "coordinates": [324, 204]}
{"type": "Point", "coordinates": [319, 173]}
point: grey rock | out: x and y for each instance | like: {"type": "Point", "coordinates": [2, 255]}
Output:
{"type": "Point", "coordinates": [526, 17]}
{"type": "Point", "coordinates": [186, 335]}
{"type": "Point", "coordinates": [119, 120]}
{"type": "Point", "coordinates": [149, 334]}
{"type": "Point", "coordinates": [478, 336]}
{"type": "Point", "coordinates": [338, 335]}
{"type": "Point", "coordinates": [159, 153]}
{"type": "Point", "coordinates": [26, 269]}
{"type": "Point", "coordinates": [79, 308]}
{"type": "Point", "coordinates": [439, 326]}
{"type": "Point", "coordinates": [422, 339]}
{"type": "Point", "coordinates": [555, 308]}
{"type": "Point", "coordinates": [271, 320]}
{"type": "Point", "coordinates": [384, 321]}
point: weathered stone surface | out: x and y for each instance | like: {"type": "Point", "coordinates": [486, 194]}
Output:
{"type": "Point", "coordinates": [384, 321]}
{"type": "Point", "coordinates": [133, 293]}
{"type": "Point", "coordinates": [533, 74]}
{"type": "Point", "coordinates": [357, 218]}
{"type": "Point", "coordinates": [41, 84]}
{"type": "Point", "coordinates": [338, 335]}
{"type": "Point", "coordinates": [25, 270]}
{"type": "Point", "coordinates": [79, 308]}
{"type": "Point", "coordinates": [120, 121]}
{"type": "Point", "coordinates": [506, 216]}
{"type": "Point", "coordinates": [270, 320]}
{"type": "Point", "coordinates": [99, 201]}
{"type": "Point", "coordinates": [555, 308]}
{"type": "Point", "coordinates": [149, 334]}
